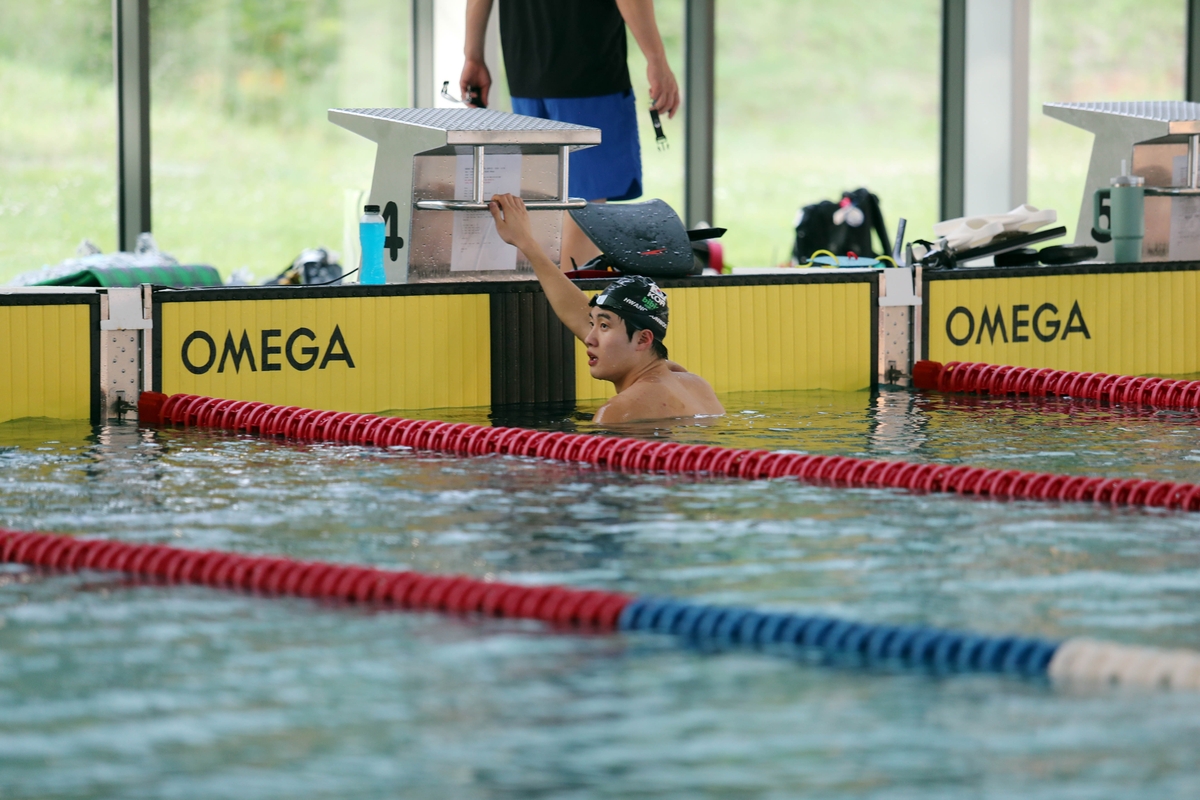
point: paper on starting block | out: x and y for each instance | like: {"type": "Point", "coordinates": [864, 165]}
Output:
{"type": "Point", "coordinates": [477, 246]}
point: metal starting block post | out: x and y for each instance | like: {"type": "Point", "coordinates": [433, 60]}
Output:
{"type": "Point", "coordinates": [1161, 142]}
{"type": "Point", "coordinates": [417, 173]}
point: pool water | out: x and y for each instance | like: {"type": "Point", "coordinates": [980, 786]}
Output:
{"type": "Point", "coordinates": [116, 688]}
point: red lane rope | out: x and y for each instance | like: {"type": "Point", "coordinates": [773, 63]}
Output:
{"type": "Point", "coordinates": [845, 641]}
{"type": "Point", "coordinates": [978, 378]}
{"type": "Point", "coordinates": [650, 456]}
{"type": "Point", "coordinates": [350, 583]}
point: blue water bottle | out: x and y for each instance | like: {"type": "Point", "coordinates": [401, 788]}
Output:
{"type": "Point", "coordinates": [370, 238]}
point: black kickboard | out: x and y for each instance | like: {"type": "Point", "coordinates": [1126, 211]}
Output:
{"type": "Point", "coordinates": [638, 238]}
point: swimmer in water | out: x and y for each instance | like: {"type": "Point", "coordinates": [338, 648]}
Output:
{"type": "Point", "coordinates": [622, 328]}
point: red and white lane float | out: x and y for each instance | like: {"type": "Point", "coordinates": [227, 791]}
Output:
{"type": "Point", "coordinates": [836, 641]}
{"type": "Point", "coordinates": [618, 453]}
{"type": "Point", "coordinates": [973, 377]}
{"type": "Point", "coordinates": [712, 628]}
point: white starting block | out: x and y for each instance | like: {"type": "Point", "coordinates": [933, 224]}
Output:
{"type": "Point", "coordinates": [431, 161]}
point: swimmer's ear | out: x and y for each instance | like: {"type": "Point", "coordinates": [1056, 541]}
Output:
{"type": "Point", "coordinates": [644, 339]}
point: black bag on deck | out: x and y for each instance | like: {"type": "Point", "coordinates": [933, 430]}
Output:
{"type": "Point", "coordinates": [842, 227]}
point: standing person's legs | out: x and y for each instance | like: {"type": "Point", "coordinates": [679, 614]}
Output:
{"type": "Point", "coordinates": [577, 248]}
{"type": "Point", "coordinates": [610, 171]}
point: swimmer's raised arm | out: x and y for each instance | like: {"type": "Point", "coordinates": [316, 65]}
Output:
{"type": "Point", "coordinates": [568, 302]}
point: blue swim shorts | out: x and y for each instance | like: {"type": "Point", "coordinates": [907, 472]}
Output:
{"type": "Point", "coordinates": [612, 170]}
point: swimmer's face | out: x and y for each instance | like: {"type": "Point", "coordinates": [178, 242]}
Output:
{"type": "Point", "coordinates": [611, 355]}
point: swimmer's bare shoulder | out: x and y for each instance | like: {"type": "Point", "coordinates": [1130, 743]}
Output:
{"type": "Point", "coordinates": [668, 395]}
{"type": "Point", "coordinates": [699, 390]}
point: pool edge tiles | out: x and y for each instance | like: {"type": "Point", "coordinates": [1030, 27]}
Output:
{"type": "Point", "coordinates": [734, 336]}
{"type": "Point", "coordinates": [455, 345]}
{"type": "Point", "coordinates": [328, 351]}
{"type": "Point", "coordinates": [50, 359]}
{"type": "Point", "coordinates": [1116, 318]}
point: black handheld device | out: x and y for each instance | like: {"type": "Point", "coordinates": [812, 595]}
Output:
{"type": "Point", "coordinates": [659, 137]}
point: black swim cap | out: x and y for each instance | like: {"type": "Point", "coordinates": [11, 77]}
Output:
{"type": "Point", "coordinates": [637, 297]}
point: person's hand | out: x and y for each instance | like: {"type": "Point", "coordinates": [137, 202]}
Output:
{"type": "Point", "coordinates": [663, 88]}
{"type": "Point", "coordinates": [475, 73]}
{"type": "Point", "coordinates": [512, 220]}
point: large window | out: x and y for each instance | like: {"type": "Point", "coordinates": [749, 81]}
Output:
{"type": "Point", "coordinates": [247, 170]}
{"type": "Point", "coordinates": [814, 99]}
{"type": "Point", "coordinates": [58, 138]}
{"type": "Point", "coordinates": [1093, 51]}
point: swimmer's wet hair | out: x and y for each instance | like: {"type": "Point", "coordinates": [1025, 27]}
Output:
{"type": "Point", "coordinates": [633, 325]}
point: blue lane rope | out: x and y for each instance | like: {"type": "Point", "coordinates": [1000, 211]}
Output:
{"type": "Point", "coordinates": [865, 644]}
{"type": "Point", "coordinates": [838, 642]}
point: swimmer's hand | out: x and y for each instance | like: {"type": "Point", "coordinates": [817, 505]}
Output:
{"type": "Point", "coordinates": [671, 365]}
{"type": "Point", "coordinates": [512, 221]}
{"type": "Point", "coordinates": [568, 302]}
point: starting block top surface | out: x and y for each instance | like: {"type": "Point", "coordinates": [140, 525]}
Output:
{"type": "Point", "coordinates": [471, 126]}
